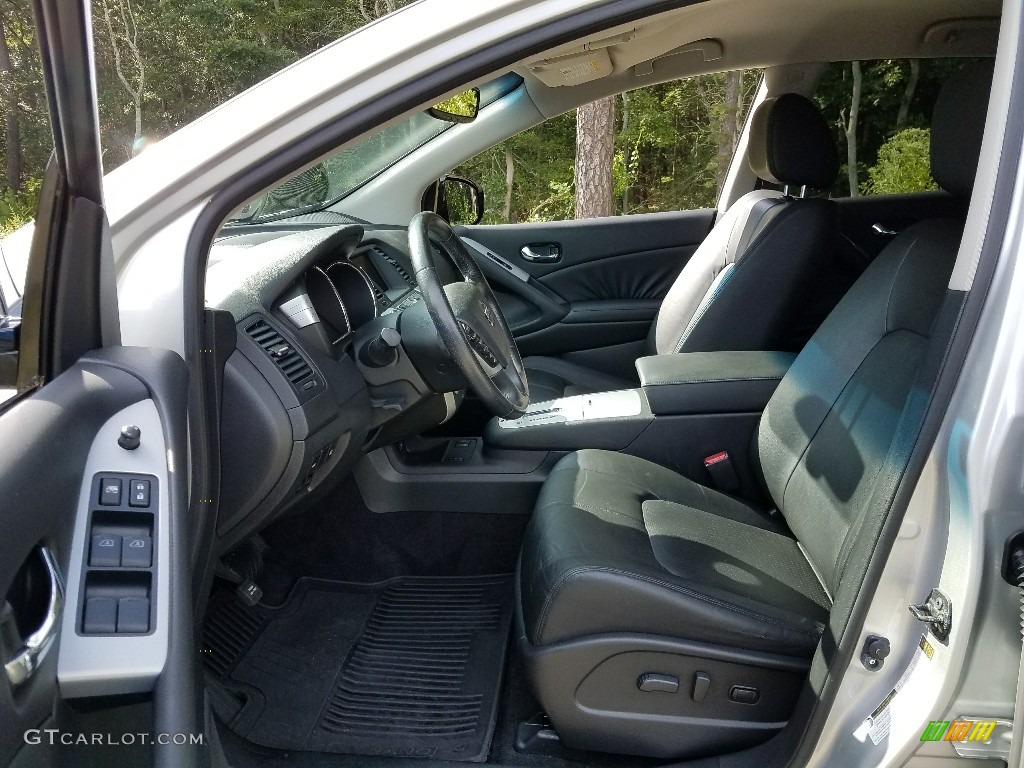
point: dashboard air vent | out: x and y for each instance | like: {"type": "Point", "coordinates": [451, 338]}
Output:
{"type": "Point", "coordinates": [291, 363]}
{"type": "Point", "coordinates": [394, 264]}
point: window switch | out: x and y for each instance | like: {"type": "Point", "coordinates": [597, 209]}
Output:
{"type": "Point", "coordinates": [133, 614]}
{"type": "Point", "coordinates": [110, 492]}
{"type": "Point", "coordinates": [100, 616]}
{"type": "Point", "coordinates": [105, 550]}
{"type": "Point", "coordinates": [138, 493]}
{"type": "Point", "coordinates": [136, 552]}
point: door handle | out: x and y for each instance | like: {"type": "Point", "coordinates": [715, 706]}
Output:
{"type": "Point", "coordinates": [543, 253]}
{"type": "Point", "coordinates": [35, 647]}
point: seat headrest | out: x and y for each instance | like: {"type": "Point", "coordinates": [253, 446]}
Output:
{"type": "Point", "coordinates": [790, 143]}
{"type": "Point", "coordinates": [958, 124]}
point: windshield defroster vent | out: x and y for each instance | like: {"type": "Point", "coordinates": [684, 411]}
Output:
{"type": "Point", "coordinates": [284, 355]}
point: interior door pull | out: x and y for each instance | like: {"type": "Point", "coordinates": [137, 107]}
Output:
{"type": "Point", "coordinates": [27, 660]}
{"type": "Point", "coordinates": [546, 253]}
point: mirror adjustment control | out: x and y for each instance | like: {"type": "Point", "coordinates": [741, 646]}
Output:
{"type": "Point", "coordinates": [130, 437]}
{"type": "Point", "coordinates": [136, 552]}
{"type": "Point", "coordinates": [110, 491]}
{"type": "Point", "coordinates": [105, 551]}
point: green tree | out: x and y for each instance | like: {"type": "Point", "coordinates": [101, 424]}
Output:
{"type": "Point", "coordinates": [903, 165]}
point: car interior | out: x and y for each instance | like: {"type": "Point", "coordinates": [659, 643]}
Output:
{"type": "Point", "coordinates": [587, 492]}
{"type": "Point", "coordinates": [612, 504]}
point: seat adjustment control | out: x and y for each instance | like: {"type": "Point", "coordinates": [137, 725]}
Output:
{"type": "Point", "coordinates": [652, 681]}
{"type": "Point", "coordinates": [701, 683]}
{"type": "Point", "coordinates": [744, 694]}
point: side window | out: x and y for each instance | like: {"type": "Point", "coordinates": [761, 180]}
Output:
{"type": "Point", "coordinates": [665, 147]}
{"type": "Point", "coordinates": [880, 112]}
{"type": "Point", "coordinates": [25, 145]}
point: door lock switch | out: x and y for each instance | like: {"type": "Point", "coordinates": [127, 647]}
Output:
{"type": "Point", "coordinates": [138, 493]}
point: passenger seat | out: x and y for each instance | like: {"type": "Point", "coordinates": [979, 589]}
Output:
{"type": "Point", "coordinates": [745, 284]}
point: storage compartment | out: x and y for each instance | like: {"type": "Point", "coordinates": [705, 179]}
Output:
{"type": "Point", "coordinates": [711, 382]}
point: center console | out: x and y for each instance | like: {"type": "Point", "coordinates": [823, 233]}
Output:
{"type": "Point", "coordinates": [689, 407]}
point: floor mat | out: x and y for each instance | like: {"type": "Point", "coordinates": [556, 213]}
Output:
{"type": "Point", "coordinates": [410, 667]}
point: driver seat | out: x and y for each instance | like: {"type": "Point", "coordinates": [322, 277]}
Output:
{"type": "Point", "coordinates": [660, 617]}
{"type": "Point", "coordinates": [745, 285]}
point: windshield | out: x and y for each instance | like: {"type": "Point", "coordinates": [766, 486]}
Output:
{"type": "Point", "coordinates": [329, 181]}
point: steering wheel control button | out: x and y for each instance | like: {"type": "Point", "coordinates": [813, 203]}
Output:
{"type": "Point", "coordinates": [132, 615]}
{"type": "Point", "coordinates": [136, 552]}
{"type": "Point", "coordinates": [130, 438]}
{"type": "Point", "coordinates": [100, 616]}
{"type": "Point", "coordinates": [110, 491]}
{"type": "Point", "coordinates": [478, 344]}
{"type": "Point", "coordinates": [105, 551]}
{"type": "Point", "coordinates": [138, 493]}
{"type": "Point", "coordinates": [651, 682]}
{"type": "Point", "coordinates": [743, 694]}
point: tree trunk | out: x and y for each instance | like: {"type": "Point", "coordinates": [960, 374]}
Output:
{"type": "Point", "coordinates": [627, 157]}
{"type": "Point", "coordinates": [908, 93]}
{"type": "Point", "coordinates": [130, 40]}
{"type": "Point", "coordinates": [10, 108]}
{"type": "Point", "coordinates": [510, 172]}
{"type": "Point", "coordinates": [851, 130]}
{"type": "Point", "coordinates": [727, 133]}
{"type": "Point", "coordinates": [595, 146]}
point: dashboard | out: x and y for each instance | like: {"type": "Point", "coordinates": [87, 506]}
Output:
{"type": "Point", "coordinates": [315, 376]}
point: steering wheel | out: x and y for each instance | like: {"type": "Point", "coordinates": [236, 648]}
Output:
{"type": "Point", "coordinates": [468, 319]}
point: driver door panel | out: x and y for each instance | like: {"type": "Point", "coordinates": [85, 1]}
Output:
{"type": "Point", "coordinates": [597, 286]}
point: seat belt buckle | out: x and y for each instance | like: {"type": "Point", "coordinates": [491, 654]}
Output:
{"type": "Point", "coordinates": [723, 474]}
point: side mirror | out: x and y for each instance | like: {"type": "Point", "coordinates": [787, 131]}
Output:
{"type": "Point", "coordinates": [461, 108]}
{"type": "Point", "coordinates": [455, 199]}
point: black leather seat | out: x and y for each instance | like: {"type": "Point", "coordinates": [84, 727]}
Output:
{"type": "Point", "coordinates": [744, 286]}
{"type": "Point", "coordinates": [664, 618]}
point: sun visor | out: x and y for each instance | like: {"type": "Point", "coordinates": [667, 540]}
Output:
{"type": "Point", "coordinates": [573, 69]}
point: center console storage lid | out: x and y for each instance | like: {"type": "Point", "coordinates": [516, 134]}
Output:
{"type": "Point", "coordinates": [712, 382]}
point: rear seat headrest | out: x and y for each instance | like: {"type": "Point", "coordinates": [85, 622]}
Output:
{"type": "Point", "coordinates": [958, 124]}
{"type": "Point", "coordinates": [790, 143]}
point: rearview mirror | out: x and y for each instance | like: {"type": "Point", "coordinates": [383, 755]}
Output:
{"type": "Point", "coordinates": [461, 108]}
{"type": "Point", "coordinates": [455, 199]}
